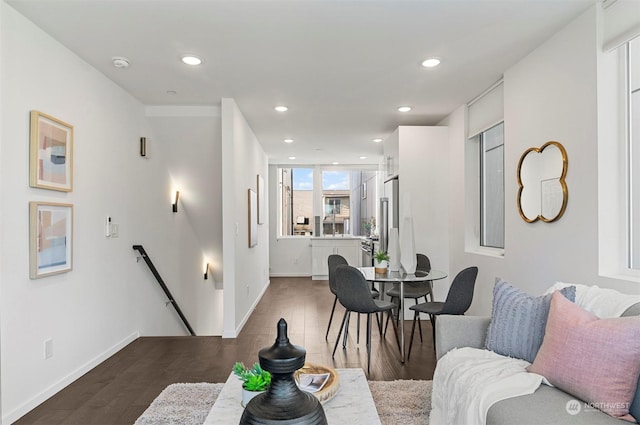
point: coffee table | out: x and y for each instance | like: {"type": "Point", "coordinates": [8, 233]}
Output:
{"type": "Point", "coordinates": [352, 404]}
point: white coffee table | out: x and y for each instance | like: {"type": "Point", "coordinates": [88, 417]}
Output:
{"type": "Point", "coordinates": [352, 404]}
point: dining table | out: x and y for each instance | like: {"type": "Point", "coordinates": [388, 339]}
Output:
{"type": "Point", "coordinates": [401, 277]}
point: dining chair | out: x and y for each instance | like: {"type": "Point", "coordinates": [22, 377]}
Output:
{"type": "Point", "coordinates": [457, 302]}
{"type": "Point", "coordinates": [334, 261]}
{"type": "Point", "coordinates": [355, 296]}
{"type": "Point", "coordinates": [415, 290]}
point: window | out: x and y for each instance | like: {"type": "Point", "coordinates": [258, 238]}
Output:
{"type": "Point", "coordinates": [484, 172]}
{"type": "Point", "coordinates": [633, 151]}
{"type": "Point", "coordinates": [492, 187]}
{"type": "Point", "coordinates": [307, 194]}
{"type": "Point", "coordinates": [296, 201]}
{"type": "Point", "coordinates": [336, 198]}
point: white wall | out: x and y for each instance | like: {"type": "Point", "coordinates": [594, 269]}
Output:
{"type": "Point", "coordinates": [108, 299]}
{"type": "Point", "coordinates": [549, 95]}
{"type": "Point", "coordinates": [245, 270]}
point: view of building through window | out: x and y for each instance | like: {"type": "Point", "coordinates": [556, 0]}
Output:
{"type": "Point", "coordinates": [296, 193]}
{"type": "Point", "coordinates": [336, 194]}
{"type": "Point", "coordinates": [492, 187]}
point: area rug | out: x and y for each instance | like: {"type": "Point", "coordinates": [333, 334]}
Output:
{"type": "Point", "coordinates": [402, 402]}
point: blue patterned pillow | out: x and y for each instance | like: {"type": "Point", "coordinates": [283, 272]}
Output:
{"type": "Point", "coordinates": [518, 321]}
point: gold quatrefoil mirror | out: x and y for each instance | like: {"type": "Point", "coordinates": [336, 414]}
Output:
{"type": "Point", "coordinates": [542, 193]}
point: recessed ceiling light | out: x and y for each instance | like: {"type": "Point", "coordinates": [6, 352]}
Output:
{"type": "Point", "coordinates": [292, 157]}
{"type": "Point", "coordinates": [335, 163]}
{"type": "Point", "coordinates": [431, 62]}
{"type": "Point", "coordinates": [378, 140]}
{"type": "Point", "coordinates": [281, 108]}
{"type": "Point", "coordinates": [120, 62]}
{"type": "Point", "coordinates": [191, 60]}
{"type": "Point", "coordinates": [363, 157]}
{"type": "Point", "coordinates": [404, 109]}
{"type": "Point", "coordinates": [172, 92]}
{"type": "Point", "coordinates": [288, 140]}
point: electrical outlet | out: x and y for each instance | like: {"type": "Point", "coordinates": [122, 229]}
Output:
{"type": "Point", "coordinates": [115, 230]}
{"type": "Point", "coordinates": [48, 349]}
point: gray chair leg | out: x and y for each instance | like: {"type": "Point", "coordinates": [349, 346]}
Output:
{"type": "Point", "coordinates": [335, 300]}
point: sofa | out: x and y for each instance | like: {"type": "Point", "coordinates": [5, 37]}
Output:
{"type": "Point", "coordinates": [547, 405]}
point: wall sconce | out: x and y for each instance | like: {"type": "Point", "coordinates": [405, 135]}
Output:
{"type": "Point", "coordinates": [143, 146]}
{"type": "Point", "coordinates": [206, 272]}
{"type": "Point", "coordinates": [174, 206]}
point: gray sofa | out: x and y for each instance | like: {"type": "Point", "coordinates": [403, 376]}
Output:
{"type": "Point", "coordinates": [547, 405]}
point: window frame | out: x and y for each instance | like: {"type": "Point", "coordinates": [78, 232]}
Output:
{"type": "Point", "coordinates": [482, 184]}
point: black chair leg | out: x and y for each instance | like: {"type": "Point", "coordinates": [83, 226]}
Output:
{"type": "Point", "coordinates": [379, 322]}
{"type": "Point", "coordinates": [368, 343]}
{"type": "Point", "coordinates": [344, 319]}
{"type": "Point", "coordinates": [395, 331]}
{"type": "Point", "coordinates": [416, 316]}
{"type": "Point", "coordinates": [346, 331]}
{"type": "Point", "coordinates": [433, 325]}
{"type": "Point", "coordinates": [358, 331]}
{"type": "Point", "coordinates": [335, 300]}
{"type": "Point", "coordinates": [419, 323]}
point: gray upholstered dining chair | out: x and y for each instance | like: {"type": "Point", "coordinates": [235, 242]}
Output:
{"type": "Point", "coordinates": [355, 296]}
{"type": "Point", "coordinates": [458, 302]}
{"type": "Point", "coordinates": [415, 290]}
{"type": "Point", "coordinates": [334, 261]}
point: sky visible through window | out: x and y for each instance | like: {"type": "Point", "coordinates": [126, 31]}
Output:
{"type": "Point", "coordinates": [331, 180]}
{"type": "Point", "coordinates": [335, 180]}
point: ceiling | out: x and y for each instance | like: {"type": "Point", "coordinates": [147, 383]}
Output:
{"type": "Point", "coordinates": [341, 67]}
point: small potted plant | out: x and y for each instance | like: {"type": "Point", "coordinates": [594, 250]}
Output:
{"type": "Point", "coordinates": [254, 381]}
{"type": "Point", "coordinates": [381, 261]}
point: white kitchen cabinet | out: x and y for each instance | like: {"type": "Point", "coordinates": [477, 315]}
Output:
{"type": "Point", "coordinates": [322, 248]}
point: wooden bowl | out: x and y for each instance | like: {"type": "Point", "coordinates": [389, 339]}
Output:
{"type": "Point", "coordinates": [330, 388]}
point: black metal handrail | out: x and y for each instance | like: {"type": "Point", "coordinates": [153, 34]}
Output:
{"type": "Point", "coordinates": [153, 269]}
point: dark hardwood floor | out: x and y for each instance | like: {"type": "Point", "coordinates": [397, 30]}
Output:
{"type": "Point", "coordinates": [118, 390]}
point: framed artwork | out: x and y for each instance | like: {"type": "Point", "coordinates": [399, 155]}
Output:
{"type": "Point", "coordinates": [253, 219]}
{"type": "Point", "coordinates": [50, 238]}
{"type": "Point", "coordinates": [261, 204]}
{"type": "Point", "coordinates": [51, 153]}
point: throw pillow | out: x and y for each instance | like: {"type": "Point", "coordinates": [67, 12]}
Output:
{"type": "Point", "coordinates": [518, 321]}
{"type": "Point", "coordinates": [596, 360]}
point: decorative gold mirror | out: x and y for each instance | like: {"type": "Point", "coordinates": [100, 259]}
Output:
{"type": "Point", "coordinates": [542, 192]}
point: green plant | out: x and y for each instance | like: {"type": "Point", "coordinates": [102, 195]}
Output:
{"type": "Point", "coordinates": [381, 256]}
{"type": "Point", "coordinates": [254, 379]}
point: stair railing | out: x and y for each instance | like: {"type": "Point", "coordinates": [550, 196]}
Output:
{"type": "Point", "coordinates": [172, 301]}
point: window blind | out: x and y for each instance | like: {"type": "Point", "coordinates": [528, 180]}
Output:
{"type": "Point", "coordinates": [486, 111]}
{"type": "Point", "coordinates": [621, 22]}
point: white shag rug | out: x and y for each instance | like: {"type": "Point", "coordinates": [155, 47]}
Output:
{"type": "Point", "coordinates": [402, 402]}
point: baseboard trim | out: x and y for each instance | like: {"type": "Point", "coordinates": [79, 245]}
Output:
{"type": "Point", "coordinates": [290, 275]}
{"type": "Point", "coordinates": [236, 332]}
{"type": "Point", "coordinates": [40, 398]}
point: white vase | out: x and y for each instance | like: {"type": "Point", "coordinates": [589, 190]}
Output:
{"type": "Point", "coordinates": [380, 266]}
{"type": "Point", "coordinates": [394, 250]}
{"type": "Point", "coordinates": [248, 395]}
{"type": "Point", "coordinates": [408, 246]}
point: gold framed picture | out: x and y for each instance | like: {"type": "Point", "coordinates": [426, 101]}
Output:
{"type": "Point", "coordinates": [51, 153]}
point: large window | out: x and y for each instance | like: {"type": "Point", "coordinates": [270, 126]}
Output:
{"type": "Point", "coordinates": [484, 172]}
{"type": "Point", "coordinates": [492, 187]}
{"type": "Point", "coordinates": [332, 198]}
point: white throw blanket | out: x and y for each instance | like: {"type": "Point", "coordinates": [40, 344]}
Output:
{"type": "Point", "coordinates": [468, 381]}
{"type": "Point", "coordinates": [604, 303]}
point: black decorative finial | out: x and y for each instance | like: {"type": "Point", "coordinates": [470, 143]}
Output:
{"type": "Point", "coordinates": [283, 401]}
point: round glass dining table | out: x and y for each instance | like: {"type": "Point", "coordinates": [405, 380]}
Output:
{"type": "Point", "coordinates": [400, 277]}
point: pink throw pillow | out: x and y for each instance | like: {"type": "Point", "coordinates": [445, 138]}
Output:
{"type": "Point", "coordinates": [597, 360]}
